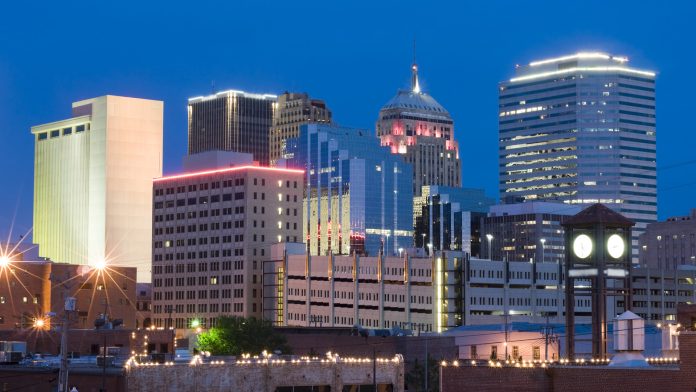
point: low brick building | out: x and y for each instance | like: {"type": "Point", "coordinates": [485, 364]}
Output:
{"type": "Point", "coordinates": [323, 374]}
{"type": "Point", "coordinates": [681, 377]}
{"type": "Point", "coordinates": [29, 290]}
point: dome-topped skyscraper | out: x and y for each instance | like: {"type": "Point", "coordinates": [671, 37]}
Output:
{"type": "Point", "coordinates": [416, 126]}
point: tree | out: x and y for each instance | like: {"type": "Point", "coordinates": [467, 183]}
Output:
{"type": "Point", "coordinates": [415, 378]}
{"type": "Point", "coordinates": [238, 335]}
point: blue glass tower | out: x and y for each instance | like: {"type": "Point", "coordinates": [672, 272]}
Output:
{"type": "Point", "coordinates": [358, 196]}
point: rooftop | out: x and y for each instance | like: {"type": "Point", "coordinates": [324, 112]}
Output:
{"type": "Point", "coordinates": [577, 63]}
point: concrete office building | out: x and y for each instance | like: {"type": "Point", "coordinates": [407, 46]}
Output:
{"type": "Point", "coordinates": [526, 231]}
{"type": "Point", "coordinates": [447, 218]}
{"type": "Point", "coordinates": [357, 196]}
{"type": "Point", "coordinates": [413, 124]}
{"type": "Point", "coordinates": [93, 182]}
{"type": "Point", "coordinates": [581, 129]}
{"type": "Point", "coordinates": [293, 110]}
{"type": "Point", "coordinates": [212, 230]}
{"type": "Point", "coordinates": [444, 291]}
{"type": "Point", "coordinates": [231, 121]}
{"type": "Point", "coordinates": [373, 292]}
{"type": "Point", "coordinates": [670, 244]}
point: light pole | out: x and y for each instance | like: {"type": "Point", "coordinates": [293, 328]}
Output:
{"type": "Point", "coordinates": [543, 248]}
{"type": "Point", "coordinates": [400, 251]}
{"type": "Point", "coordinates": [490, 238]}
{"type": "Point", "coordinates": [387, 247]}
{"type": "Point", "coordinates": [423, 235]}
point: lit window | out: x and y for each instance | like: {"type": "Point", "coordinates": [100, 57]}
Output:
{"type": "Point", "coordinates": [280, 197]}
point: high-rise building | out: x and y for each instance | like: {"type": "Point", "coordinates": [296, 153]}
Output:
{"type": "Point", "coordinates": [581, 129]}
{"type": "Point", "coordinates": [358, 196]}
{"type": "Point", "coordinates": [93, 182]}
{"type": "Point", "coordinates": [528, 231]}
{"type": "Point", "coordinates": [447, 218]}
{"type": "Point", "coordinates": [212, 229]}
{"type": "Point", "coordinates": [670, 244]}
{"type": "Point", "coordinates": [293, 110]}
{"type": "Point", "coordinates": [413, 124]}
{"type": "Point", "coordinates": [231, 121]}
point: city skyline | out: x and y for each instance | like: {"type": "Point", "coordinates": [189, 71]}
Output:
{"type": "Point", "coordinates": [376, 61]}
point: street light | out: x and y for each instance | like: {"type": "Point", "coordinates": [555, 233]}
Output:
{"type": "Point", "coordinates": [400, 251]}
{"type": "Point", "coordinates": [387, 247]}
{"type": "Point", "coordinates": [423, 235]}
{"type": "Point", "coordinates": [543, 247]}
{"type": "Point", "coordinates": [490, 238]}
{"type": "Point", "coordinates": [39, 323]}
{"type": "Point", "coordinates": [4, 261]}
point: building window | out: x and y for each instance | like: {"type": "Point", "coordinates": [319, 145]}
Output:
{"type": "Point", "coordinates": [536, 353]}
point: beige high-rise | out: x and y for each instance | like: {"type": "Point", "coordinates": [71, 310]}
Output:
{"type": "Point", "coordinates": [93, 182]}
{"type": "Point", "coordinates": [294, 109]}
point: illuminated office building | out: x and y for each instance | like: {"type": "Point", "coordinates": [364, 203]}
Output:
{"type": "Point", "coordinates": [212, 229]}
{"type": "Point", "coordinates": [231, 121]}
{"type": "Point", "coordinates": [294, 109]}
{"type": "Point", "coordinates": [447, 218]}
{"type": "Point", "coordinates": [581, 129]}
{"type": "Point", "coordinates": [413, 124]}
{"type": "Point", "coordinates": [358, 195]}
{"type": "Point", "coordinates": [93, 182]}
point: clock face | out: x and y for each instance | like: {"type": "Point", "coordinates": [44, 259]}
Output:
{"type": "Point", "coordinates": [616, 246]}
{"type": "Point", "coordinates": [582, 246]}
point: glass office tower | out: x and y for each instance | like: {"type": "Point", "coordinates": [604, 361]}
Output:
{"type": "Point", "coordinates": [581, 129]}
{"type": "Point", "coordinates": [231, 121]}
{"type": "Point", "coordinates": [358, 196]}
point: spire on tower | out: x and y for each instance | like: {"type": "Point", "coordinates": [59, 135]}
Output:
{"type": "Point", "coordinates": [415, 87]}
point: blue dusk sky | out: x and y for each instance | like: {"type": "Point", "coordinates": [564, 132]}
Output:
{"type": "Point", "coordinates": [353, 54]}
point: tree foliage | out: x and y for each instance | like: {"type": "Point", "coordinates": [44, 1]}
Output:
{"type": "Point", "coordinates": [238, 335]}
{"type": "Point", "coordinates": [415, 378]}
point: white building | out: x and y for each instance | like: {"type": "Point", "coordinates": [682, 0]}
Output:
{"type": "Point", "coordinates": [93, 182]}
{"type": "Point", "coordinates": [581, 129]}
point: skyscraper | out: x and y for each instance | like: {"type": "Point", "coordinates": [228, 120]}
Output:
{"type": "Point", "coordinates": [231, 121]}
{"type": "Point", "coordinates": [415, 125]}
{"type": "Point", "coordinates": [293, 110]}
{"type": "Point", "coordinates": [357, 197]}
{"type": "Point", "coordinates": [581, 129]}
{"type": "Point", "coordinates": [93, 182]}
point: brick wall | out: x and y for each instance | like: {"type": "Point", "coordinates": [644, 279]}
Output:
{"type": "Point", "coordinates": [572, 378]}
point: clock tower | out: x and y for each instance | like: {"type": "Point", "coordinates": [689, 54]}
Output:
{"type": "Point", "coordinates": [598, 267]}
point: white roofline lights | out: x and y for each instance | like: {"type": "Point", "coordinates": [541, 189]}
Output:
{"type": "Point", "coordinates": [583, 69]}
{"type": "Point", "coordinates": [581, 55]}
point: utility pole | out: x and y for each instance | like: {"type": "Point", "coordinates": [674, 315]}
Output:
{"type": "Point", "coordinates": [547, 331]}
{"type": "Point", "coordinates": [426, 364]}
{"type": "Point", "coordinates": [63, 373]}
{"type": "Point", "coordinates": [170, 309]}
{"type": "Point", "coordinates": [506, 336]}
{"type": "Point", "coordinates": [374, 368]}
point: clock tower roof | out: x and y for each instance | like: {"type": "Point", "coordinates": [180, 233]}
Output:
{"type": "Point", "coordinates": [598, 214]}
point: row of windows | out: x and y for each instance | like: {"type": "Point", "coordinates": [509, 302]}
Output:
{"type": "Point", "coordinates": [65, 131]}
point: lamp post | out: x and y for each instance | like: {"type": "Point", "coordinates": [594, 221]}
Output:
{"type": "Point", "coordinates": [169, 309]}
{"type": "Point", "coordinates": [543, 248]}
{"type": "Point", "coordinates": [423, 235]}
{"type": "Point", "coordinates": [490, 238]}
{"type": "Point", "coordinates": [387, 247]}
